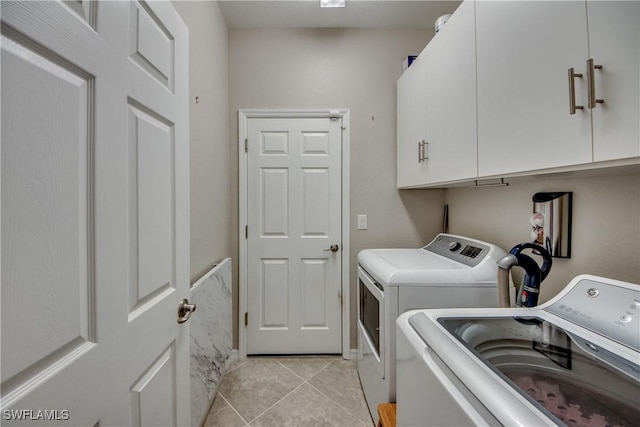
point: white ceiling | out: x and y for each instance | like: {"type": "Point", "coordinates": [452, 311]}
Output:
{"type": "Point", "coordinates": [356, 14]}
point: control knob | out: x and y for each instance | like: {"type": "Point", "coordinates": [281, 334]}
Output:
{"type": "Point", "coordinates": [454, 246]}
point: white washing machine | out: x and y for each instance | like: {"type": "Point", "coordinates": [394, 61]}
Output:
{"type": "Point", "coordinates": [574, 361]}
{"type": "Point", "coordinates": [451, 271]}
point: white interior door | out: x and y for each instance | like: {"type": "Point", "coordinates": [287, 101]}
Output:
{"type": "Point", "coordinates": [95, 205]}
{"type": "Point", "coordinates": [294, 216]}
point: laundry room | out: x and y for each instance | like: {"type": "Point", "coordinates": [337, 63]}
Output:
{"type": "Point", "coordinates": [357, 68]}
{"type": "Point", "coordinates": [264, 233]}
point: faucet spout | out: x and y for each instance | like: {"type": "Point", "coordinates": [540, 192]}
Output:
{"type": "Point", "coordinates": [504, 266]}
{"type": "Point", "coordinates": [507, 261]}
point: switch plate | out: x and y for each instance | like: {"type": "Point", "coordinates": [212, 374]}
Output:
{"type": "Point", "coordinates": [362, 222]}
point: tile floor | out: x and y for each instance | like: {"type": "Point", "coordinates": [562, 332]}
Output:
{"type": "Point", "coordinates": [290, 391]}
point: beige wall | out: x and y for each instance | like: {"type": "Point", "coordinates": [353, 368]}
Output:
{"type": "Point", "coordinates": [606, 223]}
{"type": "Point", "coordinates": [340, 68]}
{"type": "Point", "coordinates": [212, 170]}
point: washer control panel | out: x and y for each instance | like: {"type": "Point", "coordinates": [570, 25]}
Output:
{"type": "Point", "coordinates": [605, 308]}
{"type": "Point", "coordinates": [465, 251]}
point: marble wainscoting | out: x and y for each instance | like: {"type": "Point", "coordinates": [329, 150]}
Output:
{"type": "Point", "coordinates": [211, 338]}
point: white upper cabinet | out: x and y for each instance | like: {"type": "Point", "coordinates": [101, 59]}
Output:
{"type": "Point", "coordinates": [521, 88]}
{"type": "Point", "coordinates": [436, 124]}
{"type": "Point", "coordinates": [525, 87]}
{"type": "Point", "coordinates": [451, 136]}
{"type": "Point", "coordinates": [411, 116]}
{"type": "Point", "coordinates": [614, 43]}
{"type": "Point", "coordinates": [524, 52]}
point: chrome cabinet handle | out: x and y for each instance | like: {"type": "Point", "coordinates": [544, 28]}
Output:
{"type": "Point", "coordinates": [422, 145]}
{"type": "Point", "coordinates": [332, 248]}
{"type": "Point", "coordinates": [591, 67]}
{"type": "Point", "coordinates": [184, 310]}
{"type": "Point", "coordinates": [572, 92]}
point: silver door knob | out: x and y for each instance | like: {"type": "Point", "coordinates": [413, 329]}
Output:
{"type": "Point", "coordinates": [184, 310]}
{"type": "Point", "coordinates": [332, 248]}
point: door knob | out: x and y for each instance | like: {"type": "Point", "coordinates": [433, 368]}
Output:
{"type": "Point", "coordinates": [332, 248]}
{"type": "Point", "coordinates": [184, 310]}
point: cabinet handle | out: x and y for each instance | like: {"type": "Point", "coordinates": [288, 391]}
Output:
{"type": "Point", "coordinates": [591, 67]}
{"type": "Point", "coordinates": [425, 144]}
{"type": "Point", "coordinates": [572, 92]}
{"type": "Point", "coordinates": [420, 151]}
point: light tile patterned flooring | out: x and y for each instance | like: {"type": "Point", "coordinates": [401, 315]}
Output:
{"type": "Point", "coordinates": [290, 391]}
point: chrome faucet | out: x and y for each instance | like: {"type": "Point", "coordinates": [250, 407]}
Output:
{"type": "Point", "coordinates": [529, 290]}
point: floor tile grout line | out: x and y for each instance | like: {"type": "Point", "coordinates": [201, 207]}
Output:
{"type": "Point", "coordinates": [323, 368]}
{"type": "Point", "coordinates": [349, 411]}
{"type": "Point", "coordinates": [234, 409]}
{"type": "Point", "coordinates": [335, 401]}
{"type": "Point", "coordinates": [281, 399]}
{"type": "Point", "coordinates": [303, 379]}
{"type": "Point", "coordinates": [287, 368]}
{"type": "Point", "coordinates": [244, 362]}
{"type": "Point", "coordinates": [263, 412]}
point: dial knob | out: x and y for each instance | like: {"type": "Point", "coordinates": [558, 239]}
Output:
{"type": "Point", "coordinates": [454, 246]}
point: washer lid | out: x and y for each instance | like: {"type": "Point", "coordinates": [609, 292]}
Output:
{"type": "Point", "coordinates": [574, 380]}
{"type": "Point", "coordinates": [510, 362]}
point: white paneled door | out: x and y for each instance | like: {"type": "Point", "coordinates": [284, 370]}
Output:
{"type": "Point", "coordinates": [95, 205]}
{"type": "Point", "coordinates": [294, 235]}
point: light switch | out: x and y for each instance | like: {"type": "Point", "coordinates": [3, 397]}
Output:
{"type": "Point", "coordinates": [362, 222]}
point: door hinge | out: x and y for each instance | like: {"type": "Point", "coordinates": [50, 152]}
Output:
{"type": "Point", "coordinates": [246, 231]}
{"type": "Point", "coordinates": [246, 319]}
{"type": "Point", "coordinates": [246, 145]}
{"type": "Point", "coordinates": [340, 297]}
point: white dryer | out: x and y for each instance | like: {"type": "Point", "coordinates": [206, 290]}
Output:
{"type": "Point", "coordinates": [574, 361]}
{"type": "Point", "coordinates": [451, 271]}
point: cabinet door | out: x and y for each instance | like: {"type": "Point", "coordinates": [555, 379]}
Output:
{"type": "Point", "coordinates": [524, 50]}
{"type": "Point", "coordinates": [411, 125]}
{"type": "Point", "coordinates": [451, 99]}
{"type": "Point", "coordinates": [614, 43]}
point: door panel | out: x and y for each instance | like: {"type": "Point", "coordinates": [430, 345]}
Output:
{"type": "Point", "coordinates": [274, 143]}
{"type": "Point", "coordinates": [294, 216]}
{"type": "Point", "coordinates": [151, 158]}
{"type": "Point", "coordinates": [46, 217]}
{"type": "Point", "coordinates": [314, 280]}
{"type": "Point", "coordinates": [315, 198]}
{"type": "Point", "coordinates": [95, 231]}
{"type": "Point", "coordinates": [155, 385]}
{"type": "Point", "coordinates": [151, 45]}
{"type": "Point", "coordinates": [274, 291]}
{"type": "Point", "coordinates": [274, 194]}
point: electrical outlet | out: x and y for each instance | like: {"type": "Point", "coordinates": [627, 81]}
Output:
{"type": "Point", "coordinates": [362, 222]}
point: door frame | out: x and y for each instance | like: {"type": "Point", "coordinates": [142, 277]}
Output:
{"type": "Point", "coordinates": [243, 117]}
